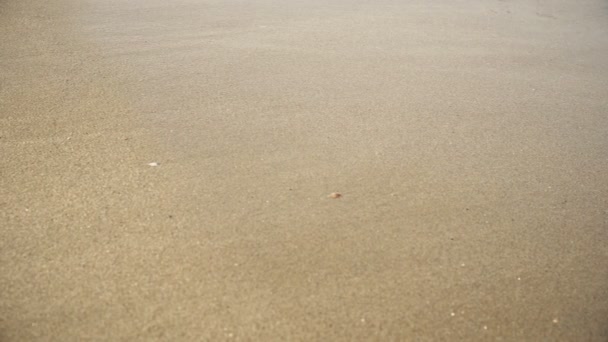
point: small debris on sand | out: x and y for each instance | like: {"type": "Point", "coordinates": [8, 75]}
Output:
{"type": "Point", "coordinates": [153, 164]}
{"type": "Point", "coordinates": [335, 195]}
{"type": "Point", "coordinates": [555, 320]}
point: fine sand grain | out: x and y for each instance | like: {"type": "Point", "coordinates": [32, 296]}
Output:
{"type": "Point", "coordinates": [303, 170]}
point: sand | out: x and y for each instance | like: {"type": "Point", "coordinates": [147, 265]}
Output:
{"type": "Point", "coordinates": [167, 169]}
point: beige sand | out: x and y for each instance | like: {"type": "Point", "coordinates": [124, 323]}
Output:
{"type": "Point", "coordinates": [469, 141]}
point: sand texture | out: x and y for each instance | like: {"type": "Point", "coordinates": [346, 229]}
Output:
{"type": "Point", "coordinates": [303, 170]}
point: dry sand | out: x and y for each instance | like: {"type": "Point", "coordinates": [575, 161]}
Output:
{"type": "Point", "coordinates": [468, 139]}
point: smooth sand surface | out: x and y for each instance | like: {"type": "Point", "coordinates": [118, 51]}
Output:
{"type": "Point", "coordinates": [468, 138]}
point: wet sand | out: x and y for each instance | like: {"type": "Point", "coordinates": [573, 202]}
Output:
{"type": "Point", "coordinates": [468, 140]}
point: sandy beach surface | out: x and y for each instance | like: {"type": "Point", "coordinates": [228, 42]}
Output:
{"type": "Point", "coordinates": [166, 167]}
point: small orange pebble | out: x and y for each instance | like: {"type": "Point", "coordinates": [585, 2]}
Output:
{"type": "Point", "coordinates": [335, 195]}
